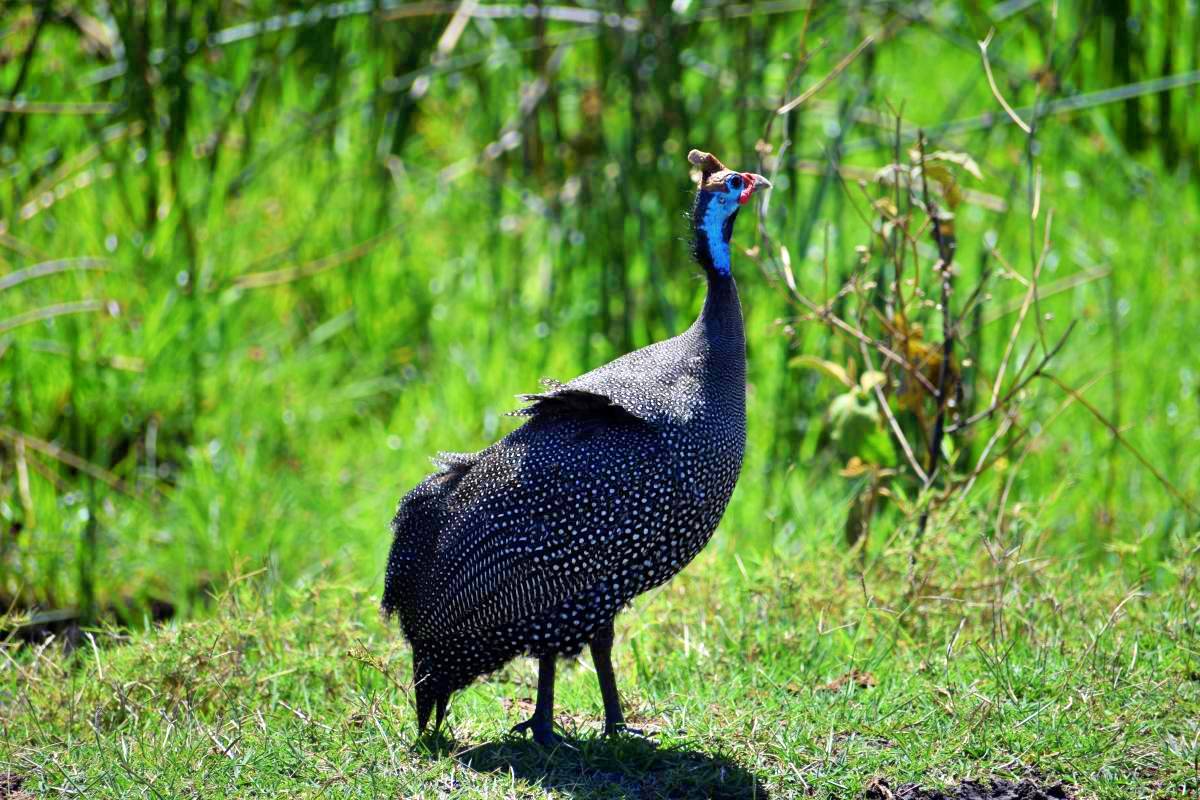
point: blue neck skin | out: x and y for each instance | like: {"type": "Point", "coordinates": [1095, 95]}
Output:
{"type": "Point", "coordinates": [712, 222]}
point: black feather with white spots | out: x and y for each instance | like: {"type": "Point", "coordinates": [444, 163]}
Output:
{"type": "Point", "coordinates": [611, 487]}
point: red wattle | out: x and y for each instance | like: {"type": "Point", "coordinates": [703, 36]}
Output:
{"type": "Point", "coordinates": [749, 190]}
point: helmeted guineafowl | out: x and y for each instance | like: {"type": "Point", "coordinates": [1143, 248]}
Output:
{"type": "Point", "coordinates": [613, 484]}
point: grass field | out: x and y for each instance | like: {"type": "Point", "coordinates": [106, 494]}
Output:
{"type": "Point", "coordinates": [253, 275]}
{"type": "Point", "coordinates": [800, 678]}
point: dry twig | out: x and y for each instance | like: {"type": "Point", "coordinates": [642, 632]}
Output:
{"type": "Point", "coordinates": [987, 67]}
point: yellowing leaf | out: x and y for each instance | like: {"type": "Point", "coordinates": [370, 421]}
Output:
{"type": "Point", "coordinates": [872, 378]}
{"type": "Point", "coordinates": [961, 159]}
{"type": "Point", "coordinates": [885, 206]}
{"type": "Point", "coordinates": [831, 369]}
{"type": "Point", "coordinates": [952, 157]}
{"type": "Point", "coordinates": [939, 173]}
{"type": "Point", "coordinates": [854, 468]}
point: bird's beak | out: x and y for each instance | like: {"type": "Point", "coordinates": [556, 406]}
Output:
{"type": "Point", "coordinates": [754, 182]}
{"type": "Point", "coordinates": [759, 181]}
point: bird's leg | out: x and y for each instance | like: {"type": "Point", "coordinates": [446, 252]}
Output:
{"type": "Point", "coordinates": [542, 721]}
{"type": "Point", "coordinates": [614, 720]}
{"type": "Point", "coordinates": [427, 696]}
{"type": "Point", "coordinates": [440, 716]}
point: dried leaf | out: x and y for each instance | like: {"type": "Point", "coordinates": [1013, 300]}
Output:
{"type": "Point", "coordinates": [785, 259]}
{"type": "Point", "coordinates": [887, 174]}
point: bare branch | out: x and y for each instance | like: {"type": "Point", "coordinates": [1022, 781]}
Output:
{"type": "Point", "coordinates": [901, 439]}
{"type": "Point", "coordinates": [1016, 387]}
{"type": "Point", "coordinates": [1016, 328]}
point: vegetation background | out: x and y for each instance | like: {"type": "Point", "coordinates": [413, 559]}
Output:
{"type": "Point", "coordinates": [258, 261]}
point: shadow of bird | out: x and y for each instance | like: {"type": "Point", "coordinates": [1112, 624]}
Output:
{"type": "Point", "coordinates": [626, 767]}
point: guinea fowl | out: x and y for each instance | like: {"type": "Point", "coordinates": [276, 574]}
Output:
{"type": "Point", "coordinates": [613, 484]}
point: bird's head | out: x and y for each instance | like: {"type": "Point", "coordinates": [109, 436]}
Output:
{"type": "Point", "coordinates": [721, 193]}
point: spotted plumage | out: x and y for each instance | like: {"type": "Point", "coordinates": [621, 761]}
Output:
{"type": "Point", "coordinates": [613, 484]}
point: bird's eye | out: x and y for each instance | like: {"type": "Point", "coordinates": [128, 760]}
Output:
{"type": "Point", "coordinates": [735, 183]}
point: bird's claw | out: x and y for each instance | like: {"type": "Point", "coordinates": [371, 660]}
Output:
{"type": "Point", "coordinates": [542, 729]}
{"type": "Point", "coordinates": [621, 729]}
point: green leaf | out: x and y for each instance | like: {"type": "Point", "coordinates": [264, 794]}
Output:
{"type": "Point", "coordinates": [877, 448]}
{"type": "Point", "coordinates": [857, 429]}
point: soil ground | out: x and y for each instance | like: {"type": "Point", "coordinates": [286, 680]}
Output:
{"type": "Point", "coordinates": [998, 789]}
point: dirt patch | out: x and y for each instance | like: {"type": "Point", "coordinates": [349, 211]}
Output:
{"type": "Point", "coordinates": [10, 787]}
{"type": "Point", "coordinates": [995, 789]}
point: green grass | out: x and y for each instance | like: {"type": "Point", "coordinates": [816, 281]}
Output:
{"type": "Point", "coordinates": [303, 693]}
{"type": "Point", "coordinates": [215, 415]}
{"type": "Point", "coordinates": [276, 425]}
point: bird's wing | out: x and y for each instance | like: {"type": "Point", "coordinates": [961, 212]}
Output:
{"type": "Point", "coordinates": [655, 384]}
{"type": "Point", "coordinates": [564, 400]}
{"type": "Point", "coordinates": [542, 516]}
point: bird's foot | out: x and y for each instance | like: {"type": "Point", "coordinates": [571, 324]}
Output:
{"type": "Point", "coordinates": [542, 729]}
{"type": "Point", "coordinates": [621, 729]}
{"type": "Point", "coordinates": [434, 742]}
